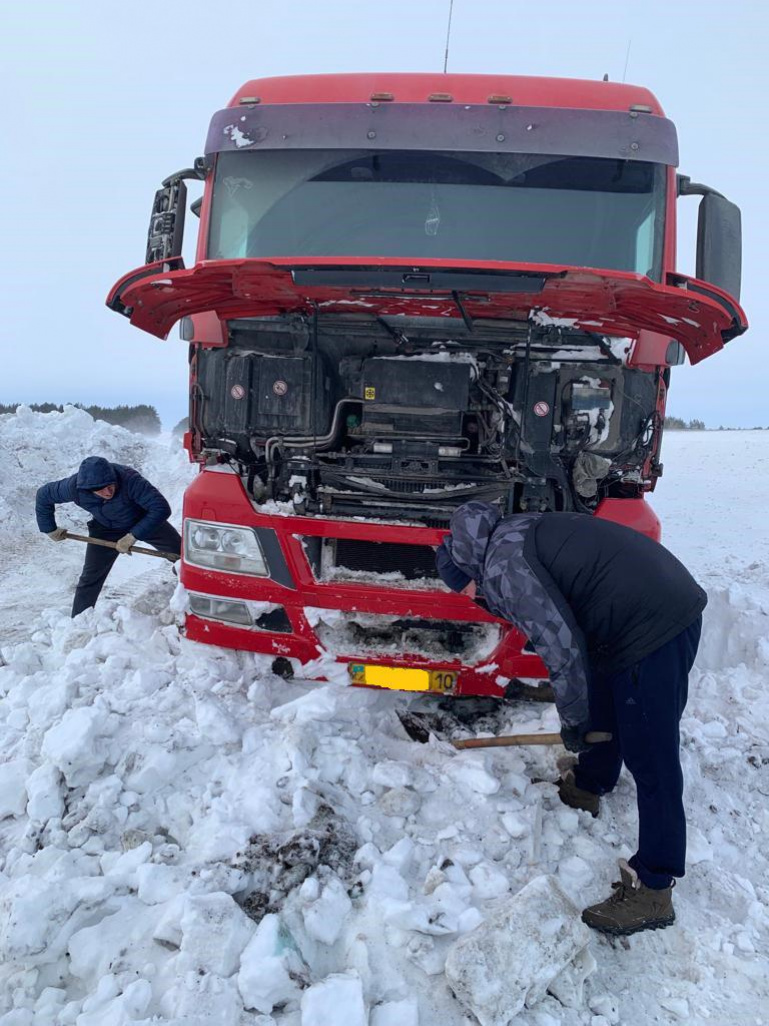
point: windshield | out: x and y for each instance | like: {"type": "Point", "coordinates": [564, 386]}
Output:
{"type": "Point", "coordinates": [580, 211]}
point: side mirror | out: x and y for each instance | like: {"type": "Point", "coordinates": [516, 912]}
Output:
{"type": "Point", "coordinates": [719, 243]}
{"type": "Point", "coordinates": [719, 237]}
{"type": "Point", "coordinates": [166, 231]}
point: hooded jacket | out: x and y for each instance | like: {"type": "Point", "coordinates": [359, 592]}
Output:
{"type": "Point", "coordinates": [136, 507]}
{"type": "Point", "coordinates": [592, 596]}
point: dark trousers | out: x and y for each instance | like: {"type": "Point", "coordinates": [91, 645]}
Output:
{"type": "Point", "coordinates": [641, 707]}
{"type": "Point", "coordinates": [98, 560]}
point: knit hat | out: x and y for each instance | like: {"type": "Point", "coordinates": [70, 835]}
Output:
{"type": "Point", "coordinates": [448, 570]}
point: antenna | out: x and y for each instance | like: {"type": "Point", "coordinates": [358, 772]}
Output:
{"type": "Point", "coordinates": [627, 58]}
{"type": "Point", "coordinates": [448, 38]}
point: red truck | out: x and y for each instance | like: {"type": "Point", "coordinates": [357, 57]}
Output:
{"type": "Point", "coordinates": [411, 290]}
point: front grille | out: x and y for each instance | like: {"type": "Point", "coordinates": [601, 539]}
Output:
{"type": "Point", "coordinates": [356, 634]}
{"type": "Point", "coordinates": [405, 487]}
{"type": "Point", "coordinates": [414, 562]}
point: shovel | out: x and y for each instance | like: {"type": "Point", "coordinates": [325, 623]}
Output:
{"type": "Point", "coordinates": [170, 556]}
{"type": "Point", "coordinates": [418, 730]}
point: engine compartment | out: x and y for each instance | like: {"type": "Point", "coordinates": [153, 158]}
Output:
{"type": "Point", "coordinates": [405, 418]}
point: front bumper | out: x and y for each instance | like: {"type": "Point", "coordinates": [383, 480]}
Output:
{"type": "Point", "coordinates": [298, 598]}
{"type": "Point", "coordinates": [483, 666]}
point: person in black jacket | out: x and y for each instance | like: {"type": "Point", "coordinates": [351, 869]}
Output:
{"type": "Point", "coordinates": [124, 507]}
{"type": "Point", "coordinates": [616, 619]}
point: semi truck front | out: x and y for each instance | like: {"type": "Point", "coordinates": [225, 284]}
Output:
{"type": "Point", "coordinates": [410, 291]}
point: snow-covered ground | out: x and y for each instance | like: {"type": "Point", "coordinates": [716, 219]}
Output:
{"type": "Point", "coordinates": [186, 839]}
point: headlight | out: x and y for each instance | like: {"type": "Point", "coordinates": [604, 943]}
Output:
{"type": "Point", "coordinates": [223, 547]}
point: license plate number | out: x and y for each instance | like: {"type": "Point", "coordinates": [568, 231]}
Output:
{"type": "Point", "coordinates": [400, 678]}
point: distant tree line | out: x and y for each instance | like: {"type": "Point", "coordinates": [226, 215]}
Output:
{"type": "Point", "coordinates": [676, 424]}
{"type": "Point", "coordinates": [142, 418]}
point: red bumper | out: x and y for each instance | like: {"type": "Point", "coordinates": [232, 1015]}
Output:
{"type": "Point", "coordinates": [220, 498]}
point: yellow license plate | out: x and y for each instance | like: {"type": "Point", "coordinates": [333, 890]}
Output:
{"type": "Point", "coordinates": [400, 678]}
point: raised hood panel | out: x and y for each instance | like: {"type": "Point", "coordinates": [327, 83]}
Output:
{"type": "Point", "coordinates": [698, 315]}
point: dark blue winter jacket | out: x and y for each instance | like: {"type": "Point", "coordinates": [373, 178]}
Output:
{"type": "Point", "coordinates": [136, 507]}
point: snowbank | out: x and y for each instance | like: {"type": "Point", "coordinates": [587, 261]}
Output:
{"type": "Point", "coordinates": [40, 447]}
{"type": "Point", "coordinates": [186, 839]}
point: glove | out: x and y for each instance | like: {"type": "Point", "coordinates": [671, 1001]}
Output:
{"type": "Point", "coordinates": [58, 534]}
{"type": "Point", "coordinates": [124, 544]}
{"type": "Point", "coordinates": [573, 738]}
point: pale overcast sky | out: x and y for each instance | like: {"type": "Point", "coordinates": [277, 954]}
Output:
{"type": "Point", "coordinates": [103, 100]}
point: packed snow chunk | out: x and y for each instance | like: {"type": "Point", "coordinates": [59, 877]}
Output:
{"type": "Point", "coordinates": [512, 958]}
{"type": "Point", "coordinates": [678, 1006]}
{"type": "Point", "coordinates": [215, 930]}
{"type": "Point", "coordinates": [488, 882]}
{"type": "Point", "coordinates": [168, 929]}
{"type": "Point", "coordinates": [158, 883]}
{"type": "Point", "coordinates": [118, 1010]}
{"type": "Point", "coordinates": [396, 1013]}
{"type": "Point", "coordinates": [214, 723]}
{"type": "Point", "coordinates": [13, 787]}
{"type": "Point", "coordinates": [73, 744]}
{"type": "Point", "coordinates": [320, 704]}
{"type": "Point", "coordinates": [470, 771]}
{"type": "Point", "coordinates": [270, 967]}
{"type": "Point", "coordinates": [324, 918]}
{"type": "Point", "coordinates": [568, 986]}
{"type": "Point", "coordinates": [44, 793]}
{"type": "Point", "coordinates": [337, 999]}
{"type": "Point", "coordinates": [698, 848]}
{"type": "Point", "coordinates": [575, 874]}
{"type": "Point", "coordinates": [201, 1000]}
{"type": "Point", "coordinates": [39, 915]}
{"type": "Point", "coordinates": [111, 944]}
{"type": "Point", "coordinates": [392, 774]}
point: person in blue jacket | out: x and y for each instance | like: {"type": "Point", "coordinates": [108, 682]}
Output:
{"type": "Point", "coordinates": [124, 507]}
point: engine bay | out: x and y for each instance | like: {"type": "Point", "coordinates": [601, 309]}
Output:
{"type": "Point", "coordinates": [404, 419]}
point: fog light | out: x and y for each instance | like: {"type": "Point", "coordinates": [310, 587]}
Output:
{"type": "Point", "coordinates": [229, 611]}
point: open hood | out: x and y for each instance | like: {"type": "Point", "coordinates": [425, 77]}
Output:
{"type": "Point", "coordinates": [619, 303]}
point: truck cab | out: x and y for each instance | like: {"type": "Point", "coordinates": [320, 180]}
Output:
{"type": "Point", "coordinates": [410, 291]}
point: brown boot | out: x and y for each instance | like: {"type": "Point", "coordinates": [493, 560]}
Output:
{"type": "Point", "coordinates": [575, 797]}
{"type": "Point", "coordinates": [632, 907]}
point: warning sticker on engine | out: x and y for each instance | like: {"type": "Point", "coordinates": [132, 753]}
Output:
{"type": "Point", "coordinates": [369, 392]}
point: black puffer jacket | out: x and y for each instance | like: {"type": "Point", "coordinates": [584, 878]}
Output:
{"type": "Point", "coordinates": [589, 594]}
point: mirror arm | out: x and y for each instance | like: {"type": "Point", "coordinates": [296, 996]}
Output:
{"type": "Point", "coordinates": [199, 171]}
{"type": "Point", "coordinates": [686, 187]}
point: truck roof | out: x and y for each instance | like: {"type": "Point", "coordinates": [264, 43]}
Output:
{"type": "Point", "coordinates": [525, 91]}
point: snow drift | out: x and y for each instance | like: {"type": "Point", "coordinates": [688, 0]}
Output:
{"type": "Point", "coordinates": [186, 839]}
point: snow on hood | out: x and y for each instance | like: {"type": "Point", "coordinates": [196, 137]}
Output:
{"type": "Point", "coordinates": [471, 528]}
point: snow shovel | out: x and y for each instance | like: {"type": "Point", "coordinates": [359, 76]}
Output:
{"type": "Point", "coordinates": [418, 730]}
{"type": "Point", "coordinates": [170, 556]}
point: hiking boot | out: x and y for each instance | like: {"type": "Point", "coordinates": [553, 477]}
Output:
{"type": "Point", "coordinates": [575, 797]}
{"type": "Point", "coordinates": [632, 907]}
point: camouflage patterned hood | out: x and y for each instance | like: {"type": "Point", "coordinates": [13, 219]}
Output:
{"type": "Point", "coordinates": [471, 528]}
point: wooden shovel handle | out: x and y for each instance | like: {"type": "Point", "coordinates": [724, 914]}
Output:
{"type": "Point", "coordinates": [170, 556]}
{"type": "Point", "coordinates": [594, 737]}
